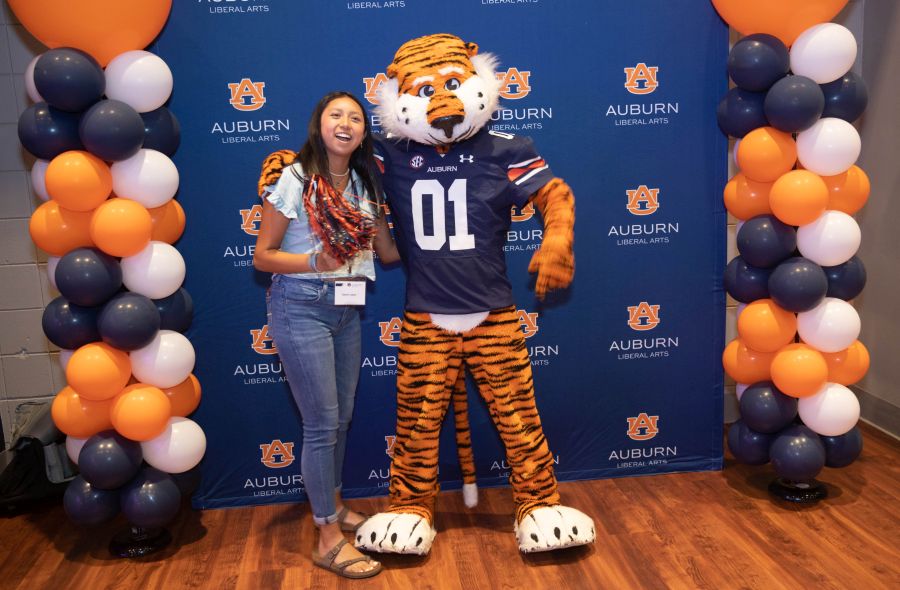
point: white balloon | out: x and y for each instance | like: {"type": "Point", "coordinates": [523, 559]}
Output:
{"type": "Point", "coordinates": [64, 355]}
{"type": "Point", "coordinates": [739, 389]}
{"type": "Point", "coordinates": [831, 326]}
{"type": "Point", "coordinates": [73, 447]}
{"type": "Point", "coordinates": [30, 88]}
{"type": "Point", "coordinates": [178, 449]}
{"type": "Point", "coordinates": [165, 362]}
{"type": "Point", "coordinates": [157, 271]}
{"type": "Point", "coordinates": [737, 142]}
{"type": "Point", "coordinates": [140, 79]}
{"type": "Point", "coordinates": [52, 261]}
{"type": "Point", "coordinates": [823, 52]}
{"type": "Point", "coordinates": [38, 179]}
{"type": "Point", "coordinates": [831, 411]}
{"type": "Point", "coordinates": [148, 177]}
{"type": "Point", "coordinates": [829, 147]}
{"type": "Point", "coordinates": [830, 240]}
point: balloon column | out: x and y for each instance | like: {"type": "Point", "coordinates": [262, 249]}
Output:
{"type": "Point", "coordinates": [103, 138]}
{"type": "Point", "coordinates": [791, 110]}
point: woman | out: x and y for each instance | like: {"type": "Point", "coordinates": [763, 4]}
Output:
{"type": "Point", "coordinates": [316, 237]}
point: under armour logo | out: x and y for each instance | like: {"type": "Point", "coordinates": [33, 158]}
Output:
{"type": "Point", "coordinates": [463, 159]}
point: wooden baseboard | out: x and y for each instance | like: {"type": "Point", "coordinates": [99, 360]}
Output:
{"type": "Point", "coordinates": [879, 413]}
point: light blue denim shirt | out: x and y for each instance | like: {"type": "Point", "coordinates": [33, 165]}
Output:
{"type": "Point", "coordinates": [287, 197]}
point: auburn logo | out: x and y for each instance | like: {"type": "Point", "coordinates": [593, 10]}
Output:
{"type": "Point", "coordinates": [643, 427]}
{"type": "Point", "coordinates": [643, 200]}
{"type": "Point", "coordinates": [262, 342]}
{"type": "Point", "coordinates": [247, 95]}
{"type": "Point", "coordinates": [373, 85]}
{"type": "Point", "coordinates": [529, 322]}
{"type": "Point", "coordinates": [390, 440]}
{"type": "Point", "coordinates": [641, 79]}
{"type": "Point", "coordinates": [250, 219]}
{"type": "Point", "coordinates": [390, 332]}
{"type": "Point", "coordinates": [524, 214]}
{"type": "Point", "coordinates": [514, 84]}
{"type": "Point", "coordinates": [643, 316]}
{"type": "Point", "coordinates": [277, 454]}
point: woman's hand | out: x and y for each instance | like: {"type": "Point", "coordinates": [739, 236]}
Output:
{"type": "Point", "coordinates": [325, 262]}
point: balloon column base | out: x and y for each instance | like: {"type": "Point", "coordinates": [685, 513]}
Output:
{"type": "Point", "coordinates": [137, 541]}
{"type": "Point", "coordinates": [801, 492]}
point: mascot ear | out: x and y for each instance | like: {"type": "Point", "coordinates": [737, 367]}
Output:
{"type": "Point", "coordinates": [472, 49]}
{"type": "Point", "coordinates": [392, 70]}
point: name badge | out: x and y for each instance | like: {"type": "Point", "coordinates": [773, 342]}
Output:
{"type": "Point", "coordinates": [350, 293]}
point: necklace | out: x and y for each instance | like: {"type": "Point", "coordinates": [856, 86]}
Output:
{"type": "Point", "coordinates": [339, 175]}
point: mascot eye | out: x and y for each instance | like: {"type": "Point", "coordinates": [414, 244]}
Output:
{"type": "Point", "coordinates": [451, 84]}
{"type": "Point", "coordinates": [426, 91]}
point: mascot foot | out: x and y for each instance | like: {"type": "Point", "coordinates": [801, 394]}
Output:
{"type": "Point", "coordinates": [394, 532]}
{"type": "Point", "coordinates": [554, 527]}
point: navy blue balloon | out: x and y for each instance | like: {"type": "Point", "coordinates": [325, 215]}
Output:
{"type": "Point", "coordinates": [764, 241]}
{"type": "Point", "coordinates": [845, 98]}
{"type": "Point", "coordinates": [68, 325]}
{"type": "Point", "coordinates": [797, 454]}
{"type": "Point", "coordinates": [747, 445]}
{"type": "Point", "coordinates": [758, 61]}
{"type": "Point", "coordinates": [794, 103]}
{"type": "Point", "coordinates": [112, 130]}
{"type": "Point", "coordinates": [161, 131]}
{"type": "Point", "coordinates": [89, 506]}
{"type": "Point", "coordinates": [151, 499]}
{"type": "Point", "coordinates": [47, 132]}
{"type": "Point", "coordinates": [175, 311]}
{"type": "Point", "coordinates": [798, 284]}
{"type": "Point", "coordinates": [765, 409]}
{"type": "Point", "coordinates": [741, 111]}
{"type": "Point", "coordinates": [88, 277]}
{"type": "Point", "coordinates": [69, 79]}
{"type": "Point", "coordinates": [847, 280]}
{"type": "Point", "coordinates": [844, 449]}
{"type": "Point", "coordinates": [744, 282]}
{"type": "Point", "coordinates": [128, 321]}
{"type": "Point", "coordinates": [187, 481]}
{"type": "Point", "coordinates": [108, 460]}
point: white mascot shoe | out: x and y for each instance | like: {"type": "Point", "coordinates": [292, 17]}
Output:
{"type": "Point", "coordinates": [388, 532]}
{"type": "Point", "coordinates": [554, 527]}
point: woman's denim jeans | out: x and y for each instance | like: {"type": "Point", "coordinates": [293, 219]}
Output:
{"type": "Point", "coordinates": [319, 346]}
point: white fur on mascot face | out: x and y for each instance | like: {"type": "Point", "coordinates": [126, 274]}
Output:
{"type": "Point", "coordinates": [439, 91]}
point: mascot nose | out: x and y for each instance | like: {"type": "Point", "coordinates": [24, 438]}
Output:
{"type": "Point", "coordinates": [447, 123]}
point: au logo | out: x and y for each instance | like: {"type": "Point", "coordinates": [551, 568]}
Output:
{"type": "Point", "coordinates": [391, 441]}
{"type": "Point", "coordinates": [277, 454]}
{"type": "Point", "coordinates": [643, 427]}
{"type": "Point", "coordinates": [643, 200]}
{"type": "Point", "coordinates": [390, 332]}
{"type": "Point", "coordinates": [250, 219]}
{"type": "Point", "coordinates": [514, 84]}
{"type": "Point", "coordinates": [524, 214]}
{"type": "Point", "coordinates": [529, 322]}
{"type": "Point", "coordinates": [643, 316]}
{"type": "Point", "coordinates": [262, 342]}
{"type": "Point", "coordinates": [641, 79]}
{"type": "Point", "coordinates": [247, 95]}
{"type": "Point", "coordinates": [373, 85]}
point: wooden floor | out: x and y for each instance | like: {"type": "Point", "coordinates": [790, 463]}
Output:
{"type": "Point", "coordinates": [694, 530]}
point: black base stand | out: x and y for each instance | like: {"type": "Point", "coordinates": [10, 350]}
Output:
{"type": "Point", "coordinates": [137, 542]}
{"type": "Point", "coordinates": [802, 492]}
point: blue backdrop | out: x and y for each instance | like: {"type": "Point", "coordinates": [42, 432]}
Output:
{"type": "Point", "coordinates": [620, 99]}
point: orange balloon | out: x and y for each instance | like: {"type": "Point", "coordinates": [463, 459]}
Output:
{"type": "Point", "coordinates": [766, 153]}
{"type": "Point", "coordinates": [103, 28]}
{"type": "Point", "coordinates": [745, 365]}
{"type": "Point", "coordinates": [784, 19]}
{"type": "Point", "coordinates": [168, 222]}
{"type": "Point", "coordinates": [79, 417]}
{"type": "Point", "coordinates": [848, 191]}
{"type": "Point", "coordinates": [121, 227]}
{"type": "Point", "coordinates": [56, 230]}
{"type": "Point", "coordinates": [798, 197]}
{"type": "Point", "coordinates": [766, 327]}
{"type": "Point", "coordinates": [799, 370]}
{"type": "Point", "coordinates": [745, 198]}
{"type": "Point", "coordinates": [185, 397]}
{"type": "Point", "coordinates": [849, 365]}
{"type": "Point", "coordinates": [78, 180]}
{"type": "Point", "coordinates": [97, 371]}
{"type": "Point", "coordinates": [140, 412]}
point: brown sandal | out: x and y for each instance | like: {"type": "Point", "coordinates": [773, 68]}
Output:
{"type": "Point", "coordinates": [347, 527]}
{"type": "Point", "coordinates": [327, 562]}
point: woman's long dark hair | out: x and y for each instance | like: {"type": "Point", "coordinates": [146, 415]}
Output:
{"type": "Point", "coordinates": [314, 158]}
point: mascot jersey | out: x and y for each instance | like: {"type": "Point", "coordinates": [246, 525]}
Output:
{"type": "Point", "coordinates": [451, 213]}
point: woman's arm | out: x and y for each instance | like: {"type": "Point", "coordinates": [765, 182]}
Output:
{"type": "Point", "coordinates": [268, 258]}
{"type": "Point", "coordinates": [385, 246]}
